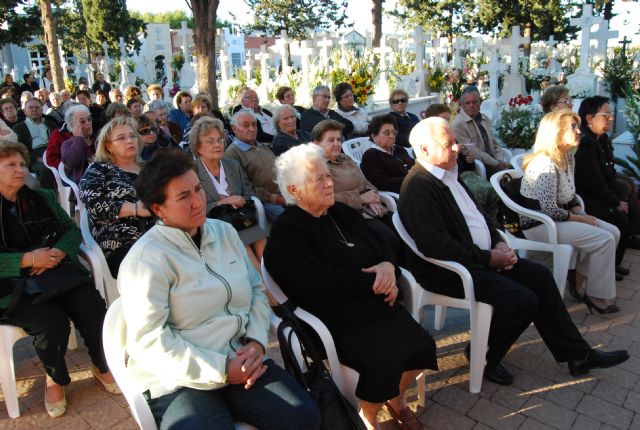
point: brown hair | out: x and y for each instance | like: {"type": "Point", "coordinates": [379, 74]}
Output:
{"type": "Point", "coordinates": [323, 126]}
{"type": "Point", "coordinates": [7, 149]}
{"type": "Point", "coordinates": [435, 110]}
{"type": "Point", "coordinates": [551, 96]}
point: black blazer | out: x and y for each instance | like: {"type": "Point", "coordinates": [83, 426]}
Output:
{"type": "Point", "coordinates": [595, 174]}
{"type": "Point", "coordinates": [311, 117]}
{"type": "Point", "coordinates": [433, 219]}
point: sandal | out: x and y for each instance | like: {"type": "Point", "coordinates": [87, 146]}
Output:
{"type": "Point", "coordinates": [110, 387]}
{"type": "Point", "coordinates": [56, 409]}
{"type": "Point", "coordinates": [406, 419]}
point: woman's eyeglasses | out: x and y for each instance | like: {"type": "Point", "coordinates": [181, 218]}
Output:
{"type": "Point", "coordinates": [396, 101]}
{"type": "Point", "coordinates": [607, 115]}
{"type": "Point", "coordinates": [389, 133]}
{"type": "Point", "coordinates": [147, 131]}
{"type": "Point", "coordinates": [218, 140]}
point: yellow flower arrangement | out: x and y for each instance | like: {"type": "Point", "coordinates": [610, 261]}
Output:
{"type": "Point", "coordinates": [363, 72]}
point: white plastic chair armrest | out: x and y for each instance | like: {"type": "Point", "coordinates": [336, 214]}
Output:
{"type": "Point", "coordinates": [481, 170]}
{"type": "Point", "coordinates": [262, 219]}
{"type": "Point", "coordinates": [388, 201]}
{"type": "Point", "coordinates": [391, 194]}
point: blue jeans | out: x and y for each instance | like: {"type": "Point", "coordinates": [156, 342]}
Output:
{"type": "Point", "coordinates": [272, 211]}
{"type": "Point", "coordinates": [276, 401]}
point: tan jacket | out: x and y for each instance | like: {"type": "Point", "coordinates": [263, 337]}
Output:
{"type": "Point", "coordinates": [466, 131]}
{"type": "Point", "coordinates": [348, 181]}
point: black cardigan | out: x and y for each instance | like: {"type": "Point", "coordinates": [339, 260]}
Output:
{"type": "Point", "coordinates": [595, 174]}
{"type": "Point", "coordinates": [433, 219]}
{"type": "Point", "coordinates": [311, 117]}
{"type": "Point", "coordinates": [384, 170]}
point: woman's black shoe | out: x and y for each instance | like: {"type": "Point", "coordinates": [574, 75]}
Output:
{"type": "Point", "coordinates": [611, 309]}
{"type": "Point", "coordinates": [620, 270]}
{"type": "Point", "coordinates": [596, 359]}
{"type": "Point", "coordinates": [498, 374]}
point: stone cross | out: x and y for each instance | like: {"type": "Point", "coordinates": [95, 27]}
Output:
{"type": "Point", "coordinates": [383, 86]}
{"type": "Point", "coordinates": [224, 66]}
{"type": "Point", "coordinates": [457, 58]}
{"type": "Point", "coordinates": [303, 91]}
{"type": "Point", "coordinates": [105, 62]}
{"type": "Point", "coordinates": [123, 63]}
{"type": "Point", "coordinates": [368, 40]}
{"type": "Point", "coordinates": [493, 68]}
{"type": "Point", "coordinates": [325, 45]}
{"type": "Point", "coordinates": [63, 62]}
{"type": "Point", "coordinates": [247, 67]}
{"type": "Point", "coordinates": [123, 48]}
{"type": "Point", "coordinates": [158, 33]}
{"type": "Point", "coordinates": [514, 48]}
{"type": "Point", "coordinates": [418, 41]}
{"type": "Point", "coordinates": [585, 22]}
{"type": "Point", "coordinates": [284, 52]}
{"type": "Point", "coordinates": [263, 57]}
{"type": "Point", "coordinates": [90, 71]}
{"type": "Point", "coordinates": [624, 42]}
{"type": "Point", "coordinates": [185, 42]}
{"type": "Point", "coordinates": [602, 36]}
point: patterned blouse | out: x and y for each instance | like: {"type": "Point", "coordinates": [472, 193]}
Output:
{"type": "Point", "coordinates": [104, 188]}
{"type": "Point", "coordinates": [551, 186]}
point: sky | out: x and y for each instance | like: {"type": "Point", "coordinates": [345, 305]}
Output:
{"type": "Point", "coordinates": [627, 22]}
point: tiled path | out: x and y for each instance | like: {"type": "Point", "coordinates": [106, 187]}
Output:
{"type": "Point", "coordinates": [543, 396]}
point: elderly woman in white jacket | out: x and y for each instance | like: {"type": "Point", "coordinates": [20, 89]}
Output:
{"type": "Point", "coordinates": [343, 92]}
{"type": "Point", "coordinates": [197, 315]}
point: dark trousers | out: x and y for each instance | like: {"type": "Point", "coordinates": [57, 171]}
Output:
{"type": "Point", "coordinates": [620, 220]}
{"type": "Point", "coordinates": [276, 401]}
{"type": "Point", "coordinates": [48, 323]}
{"type": "Point", "coordinates": [527, 293]}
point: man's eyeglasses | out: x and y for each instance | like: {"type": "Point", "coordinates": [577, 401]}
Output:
{"type": "Point", "coordinates": [396, 101]}
{"type": "Point", "coordinates": [147, 131]}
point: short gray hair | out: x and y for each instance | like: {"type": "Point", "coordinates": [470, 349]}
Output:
{"type": "Point", "coordinates": [278, 112]}
{"type": "Point", "coordinates": [71, 112]}
{"type": "Point", "coordinates": [316, 90]}
{"type": "Point", "coordinates": [470, 89]}
{"type": "Point", "coordinates": [236, 116]}
{"type": "Point", "coordinates": [291, 167]}
{"type": "Point", "coordinates": [157, 105]}
{"type": "Point", "coordinates": [202, 126]}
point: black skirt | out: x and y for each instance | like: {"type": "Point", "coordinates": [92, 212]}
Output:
{"type": "Point", "coordinates": [380, 351]}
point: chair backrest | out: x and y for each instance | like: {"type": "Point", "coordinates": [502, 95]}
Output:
{"type": "Point", "coordinates": [63, 192]}
{"type": "Point", "coordinates": [70, 183]}
{"type": "Point", "coordinates": [114, 341]}
{"type": "Point", "coordinates": [354, 148]}
{"type": "Point", "coordinates": [516, 161]}
{"type": "Point", "coordinates": [101, 267]}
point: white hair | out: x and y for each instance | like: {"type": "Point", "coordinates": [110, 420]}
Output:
{"type": "Point", "coordinates": [427, 132]}
{"type": "Point", "coordinates": [279, 111]}
{"type": "Point", "coordinates": [292, 167]}
{"type": "Point", "coordinates": [242, 112]}
{"type": "Point", "coordinates": [70, 113]}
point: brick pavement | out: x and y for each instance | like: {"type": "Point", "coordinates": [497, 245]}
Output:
{"type": "Point", "coordinates": [543, 396]}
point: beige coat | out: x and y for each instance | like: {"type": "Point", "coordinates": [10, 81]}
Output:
{"type": "Point", "coordinates": [466, 131]}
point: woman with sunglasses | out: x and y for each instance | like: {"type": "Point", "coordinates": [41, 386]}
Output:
{"type": "Point", "coordinates": [398, 101]}
{"type": "Point", "coordinates": [150, 138]}
{"type": "Point", "coordinates": [607, 194]}
{"type": "Point", "coordinates": [548, 186]}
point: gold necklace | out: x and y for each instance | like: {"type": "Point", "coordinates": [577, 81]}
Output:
{"type": "Point", "coordinates": [344, 239]}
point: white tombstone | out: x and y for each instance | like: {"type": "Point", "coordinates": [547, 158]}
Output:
{"type": "Point", "coordinates": [123, 63]}
{"type": "Point", "coordinates": [187, 74]}
{"type": "Point", "coordinates": [284, 52]}
{"type": "Point", "coordinates": [493, 68]}
{"type": "Point", "coordinates": [583, 82]}
{"type": "Point", "coordinates": [304, 90]}
{"type": "Point", "coordinates": [418, 43]}
{"type": "Point", "coordinates": [457, 57]}
{"type": "Point", "coordinates": [513, 81]}
{"type": "Point", "coordinates": [90, 71]}
{"type": "Point", "coordinates": [247, 67]}
{"type": "Point", "coordinates": [105, 69]}
{"type": "Point", "coordinates": [602, 36]}
{"type": "Point", "coordinates": [325, 46]}
{"type": "Point", "coordinates": [224, 66]}
{"type": "Point", "coordinates": [263, 57]}
{"type": "Point", "coordinates": [368, 44]}
{"type": "Point", "coordinates": [554, 66]}
{"type": "Point", "coordinates": [382, 86]}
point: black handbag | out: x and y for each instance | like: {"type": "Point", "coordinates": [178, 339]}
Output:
{"type": "Point", "coordinates": [51, 283]}
{"type": "Point", "coordinates": [240, 218]}
{"type": "Point", "coordinates": [336, 412]}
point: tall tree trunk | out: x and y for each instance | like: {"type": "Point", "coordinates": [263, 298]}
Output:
{"type": "Point", "coordinates": [376, 18]}
{"type": "Point", "coordinates": [51, 42]}
{"type": "Point", "coordinates": [204, 15]}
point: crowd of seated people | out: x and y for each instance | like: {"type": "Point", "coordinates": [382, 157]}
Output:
{"type": "Point", "coordinates": [151, 207]}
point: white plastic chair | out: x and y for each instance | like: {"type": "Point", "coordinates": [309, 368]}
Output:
{"type": "Point", "coordinates": [63, 192]}
{"type": "Point", "coordinates": [98, 262]}
{"type": "Point", "coordinates": [480, 169]}
{"type": "Point", "coordinates": [564, 255]}
{"type": "Point", "coordinates": [114, 342]}
{"type": "Point", "coordinates": [516, 161]}
{"type": "Point", "coordinates": [262, 218]}
{"type": "Point", "coordinates": [79, 206]}
{"type": "Point", "coordinates": [345, 378]}
{"type": "Point", "coordinates": [355, 148]}
{"type": "Point", "coordinates": [479, 313]}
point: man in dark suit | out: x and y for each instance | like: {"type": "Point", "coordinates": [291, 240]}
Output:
{"type": "Point", "coordinates": [319, 111]}
{"type": "Point", "coordinates": [250, 102]}
{"type": "Point", "coordinates": [101, 84]}
{"type": "Point", "coordinates": [446, 223]}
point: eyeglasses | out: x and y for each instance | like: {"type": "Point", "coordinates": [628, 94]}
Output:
{"type": "Point", "coordinates": [472, 102]}
{"type": "Point", "coordinates": [125, 138]}
{"type": "Point", "coordinates": [607, 115]}
{"type": "Point", "coordinates": [324, 96]}
{"type": "Point", "coordinates": [566, 101]}
{"type": "Point", "coordinates": [147, 131]}
{"type": "Point", "coordinates": [389, 133]}
{"type": "Point", "coordinates": [396, 101]}
{"type": "Point", "coordinates": [254, 99]}
{"type": "Point", "coordinates": [347, 95]}
{"type": "Point", "coordinates": [213, 140]}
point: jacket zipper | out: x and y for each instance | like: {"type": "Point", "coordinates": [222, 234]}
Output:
{"type": "Point", "coordinates": [227, 288]}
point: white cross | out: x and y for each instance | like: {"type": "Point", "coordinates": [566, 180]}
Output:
{"type": "Point", "coordinates": [325, 45]}
{"type": "Point", "coordinates": [123, 48]}
{"type": "Point", "coordinates": [585, 22]}
{"type": "Point", "coordinates": [263, 57]}
{"type": "Point", "coordinates": [418, 43]}
{"type": "Point", "coordinates": [514, 48]}
{"type": "Point", "coordinates": [602, 36]}
{"type": "Point", "coordinates": [493, 68]}
{"type": "Point", "coordinates": [185, 42]}
{"type": "Point", "coordinates": [158, 31]}
{"type": "Point", "coordinates": [457, 59]}
{"type": "Point", "coordinates": [224, 66]}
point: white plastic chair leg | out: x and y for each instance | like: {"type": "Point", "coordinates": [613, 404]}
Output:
{"type": "Point", "coordinates": [421, 388]}
{"type": "Point", "coordinates": [440, 316]}
{"type": "Point", "coordinates": [480, 324]}
{"type": "Point", "coordinates": [10, 335]}
{"type": "Point", "coordinates": [73, 339]}
{"type": "Point", "coordinates": [561, 262]}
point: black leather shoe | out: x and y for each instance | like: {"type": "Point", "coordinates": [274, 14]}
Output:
{"type": "Point", "coordinates": [621, 270]}
{"type": "Point", "coordinates": [573, 289]}
{"type": "Point", "coordinates": [498, 374]}
{"type": "Point", "coordinates": [597, 359]}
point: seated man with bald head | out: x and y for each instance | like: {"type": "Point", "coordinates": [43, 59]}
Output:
{"type": "Point", "coordinates": [447, 224]}
{"type": "Point", "coordinates": [257, 160]}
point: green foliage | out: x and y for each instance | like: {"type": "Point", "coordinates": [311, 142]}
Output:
{"type": "Point", "coordinates": [403, 63]}
{"type": "Point", "coordinates": [18, 28]}
{"type": "Point", "coordinates": [618, 73]}
{"type": "Point", "coordinates": [444, 16]}
{"type": "Point", "coordinates": [297, 17]}
{"type": "Point", "coordinates": [107, 20]}
{"type": "Point", "coordinates": [518, 122]}
{"type": "Point", "coordinates": [173, 18]}
{"type": "Point", "coordinates": [177, 62]}
{"type": "Point", "coordinates": [631, 165]}
{"type": "Point", "coordinates": [435, 79]}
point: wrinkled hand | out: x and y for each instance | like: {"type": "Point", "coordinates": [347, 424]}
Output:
{"type": "Point", "coordinates": [587, 219]}
{"type": "Point", "coordinates": [235, 201]}
{"type": "Point", "coordinates": [247, 366]}
{"type": "Point", "coordinates": [377, 208]}
{"type": "Point", "coordinates": [45, 259]}
{"type": "Point", "coordinates": [502, 259]}
{"type": "Point", "coordinates": [469, 158]}
{"type": "Point", "coordinates": [385, 282]}
{"type": "Point", "coordinates": [370, 197]}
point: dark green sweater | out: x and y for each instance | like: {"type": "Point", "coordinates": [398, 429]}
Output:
{"type": "Point", "coordinates": [69, 243]}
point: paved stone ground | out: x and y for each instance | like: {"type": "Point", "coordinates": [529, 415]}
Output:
{"type": "Point", "coordinates": [543, 396]}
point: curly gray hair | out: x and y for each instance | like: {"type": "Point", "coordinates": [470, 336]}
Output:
{"type": "Point", "coordinates": [278, 112]}
{"type": "Point", "coordinates": [292, 167]}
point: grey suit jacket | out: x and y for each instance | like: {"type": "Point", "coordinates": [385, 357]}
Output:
{"type": "Point", "coordinates": [236, 179]}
